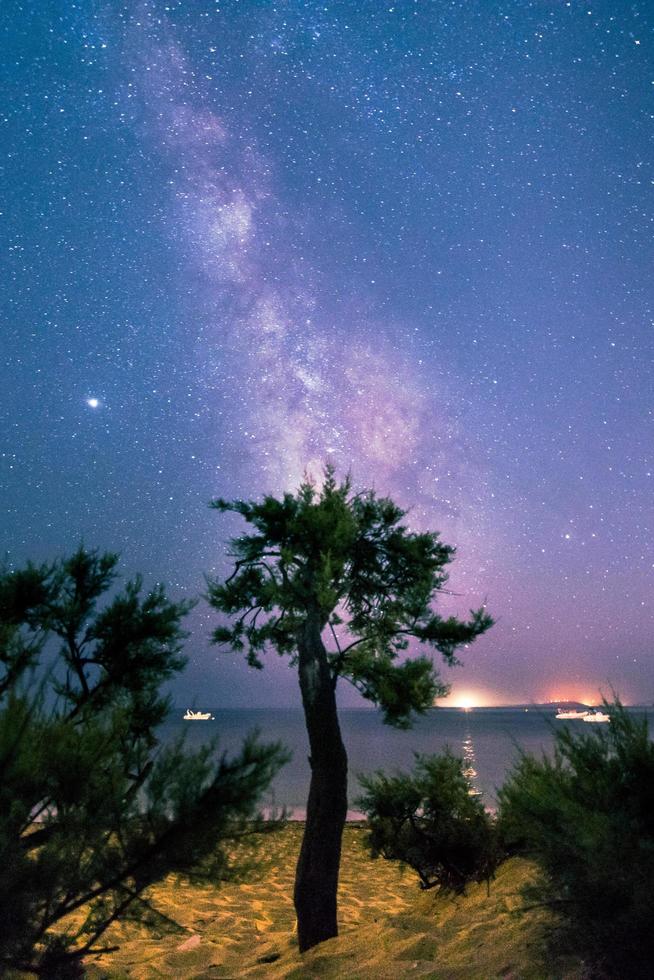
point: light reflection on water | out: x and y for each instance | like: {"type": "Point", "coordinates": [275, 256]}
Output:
{"type": "Point", "coordinates": [469, 770]}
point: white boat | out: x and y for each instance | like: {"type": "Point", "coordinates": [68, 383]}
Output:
{"type": "Point", "coordinates": [597, 716]}
{"type": "Point", "coordinates": [569, 715]}
{"type": "Point", "coordinates": [198, 715]}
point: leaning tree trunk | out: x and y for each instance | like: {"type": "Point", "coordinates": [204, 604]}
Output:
{"type": "Point", "coordinates": [316, 877]}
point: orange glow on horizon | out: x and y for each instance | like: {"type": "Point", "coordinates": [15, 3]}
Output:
{"type": "Point", "coordinates": [464, 699]}
{"type": "Point", "coordinates": [468, 698]}
{"type": "Point", "coordinates": [592, 700]}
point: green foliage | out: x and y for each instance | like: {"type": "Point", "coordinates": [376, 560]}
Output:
{"type": "Point", "coordinates": [431, 820]}
{"type": "Point", "coordinates": [587, 816]}
{"type": "Point", "coordinates": [92, 811]}
{"type": "Point", "coordinates": [346, 559]}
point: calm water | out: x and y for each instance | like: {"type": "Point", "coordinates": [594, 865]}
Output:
{"type": "Point", "coordinates": [488, 739]}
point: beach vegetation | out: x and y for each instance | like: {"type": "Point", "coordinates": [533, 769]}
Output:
{"type": "Point", "coordinates": [432, 820]}
{"type": "Point", "coordinates": [93, 809]}
{"type": "Point", "coordinates": [336, 582]}
{"type": "Point", "coordinates": [586, 815]}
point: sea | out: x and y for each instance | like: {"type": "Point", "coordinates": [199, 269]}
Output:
{"type": "Point", "coordinates": [488, 740]}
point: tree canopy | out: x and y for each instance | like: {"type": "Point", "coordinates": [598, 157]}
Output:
{"type": "Point", "coordinates": [368, 579]}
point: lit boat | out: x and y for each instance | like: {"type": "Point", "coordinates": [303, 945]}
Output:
{"type": "Point", "coordinates": [573, 713]}
{"type": "Point", "coordinates": [198, 715]}
{"type": "Point", "coordinates": [597, 716]}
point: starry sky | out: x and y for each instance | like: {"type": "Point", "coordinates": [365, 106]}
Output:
{"type": "Point", "coordinates": [240, 238]}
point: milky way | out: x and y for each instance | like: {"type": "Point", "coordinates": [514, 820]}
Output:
{"type": "Point", "coordinates": [413, 239]}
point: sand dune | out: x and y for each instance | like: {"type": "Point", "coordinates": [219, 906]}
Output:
{"type": "Point", "coordinates": [388, 928]}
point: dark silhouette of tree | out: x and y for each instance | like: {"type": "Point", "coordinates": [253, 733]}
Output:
{"type": "Point", "coordinates": [92, 810]}
{"type": "Point", "coordinates": [585, 813]}
{"type": "Point", "coordinates": [432, 820]}
{"type": "Point", "coordinates": [338, 564]}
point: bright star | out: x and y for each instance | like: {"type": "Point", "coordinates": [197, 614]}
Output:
{"type": "Point", "coordinates": [93, 402]}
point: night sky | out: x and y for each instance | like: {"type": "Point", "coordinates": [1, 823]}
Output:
{"type": "Point", "coordinates": [241, 238]}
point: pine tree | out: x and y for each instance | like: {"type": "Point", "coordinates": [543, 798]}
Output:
{"type": "Point", "coordinates": [585, 813]}
{"type": "Point", "coordinates": [335, 581]}
{"type": "Point", "coordinates": [92, 810]}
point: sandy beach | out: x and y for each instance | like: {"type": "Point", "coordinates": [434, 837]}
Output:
{"type": "Point", "coordinates": [388, 927]}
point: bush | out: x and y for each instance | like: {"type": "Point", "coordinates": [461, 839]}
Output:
{"type": "Point", "coordinates": [587, 816]}
{"type": "Point", "coordinates": [92, 809]}
{"type": "Point", "coordinates": [431, 820]}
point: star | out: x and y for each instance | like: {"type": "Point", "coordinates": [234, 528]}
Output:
{"type": "Point", "coordinates": [93, 402]}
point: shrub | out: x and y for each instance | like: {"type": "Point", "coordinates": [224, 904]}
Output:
{"type": "Point", "coordinates": [587, 816]}
{"type": "Point", "coordinates": [433, 821]}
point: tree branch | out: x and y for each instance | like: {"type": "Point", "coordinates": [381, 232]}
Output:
{"type": "Point", "coordinates": [338, 646]}
{"type": "Point", "coordinates": [75, 658]}
{"type": "Point", "coordinates": [250, 609]}
{"type": "Point", "coordinates": [355, 643]}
